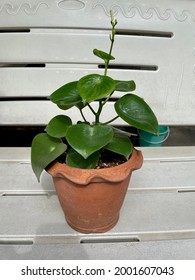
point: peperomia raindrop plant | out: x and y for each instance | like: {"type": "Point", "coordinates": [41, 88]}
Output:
{"type": "Point", "coordinates": [83, 142]}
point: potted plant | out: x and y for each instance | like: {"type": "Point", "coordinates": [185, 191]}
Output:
{"type": "Point", "coordinates": [91, 163]}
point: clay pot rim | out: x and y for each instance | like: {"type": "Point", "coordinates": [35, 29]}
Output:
{"type": "Point", "coordinates": [84, 176]}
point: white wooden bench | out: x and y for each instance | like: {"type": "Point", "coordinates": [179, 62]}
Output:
{"type": "Point", "coordinates": [155, 47]}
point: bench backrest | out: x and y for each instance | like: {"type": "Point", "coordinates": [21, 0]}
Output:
{"type": "Point", "coordinates": [44, 44]}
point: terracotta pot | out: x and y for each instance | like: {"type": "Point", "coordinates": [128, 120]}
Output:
{"type": "Point", "coordinates": [92, 198]}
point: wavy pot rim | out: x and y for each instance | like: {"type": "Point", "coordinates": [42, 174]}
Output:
{"type": "Point", "coordinates": [85, 176]}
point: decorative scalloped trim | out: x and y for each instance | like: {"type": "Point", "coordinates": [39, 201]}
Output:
{"type": "Point", "coordinates": [146, 13]}
{"type": "Point", "coordinates": [29, 9]}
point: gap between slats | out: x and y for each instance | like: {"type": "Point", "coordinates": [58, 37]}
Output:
{"type": "Point", "coordinates": [121, 67]}
{"type": "Point", "coordinates": [8, 194]}
{"type": "Point", "coordinates": [119, 32]}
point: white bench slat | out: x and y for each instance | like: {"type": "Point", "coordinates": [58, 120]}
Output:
{"type": "Point", "coordinates": [22, 113]}
{"type": "Point", "coordinates": [171, 164]}
{"type": "Point", "coordinates": [40, 82]}
{"type": "Point", "coordinates": [63, 47]}
{"type": "Point", "coordinates": [146, 216]}
{"type": "Point", "coordinates": [150, 250]}
{"type": "Point", "coordinates": [176, 177]}
{"type": "Point", "coordinates": [164, 91]}
{"type": "Point", "coordinates": [36, 82]}
{"type": "Point", "coordinates": [45, 110]}
{"type": "Point", "coordinates": [94, 14]}
{"type": "Point", "coordinates": [159, 154]}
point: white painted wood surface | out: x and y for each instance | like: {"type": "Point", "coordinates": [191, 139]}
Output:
{"type": "Point", "coordinates": [44, 44]}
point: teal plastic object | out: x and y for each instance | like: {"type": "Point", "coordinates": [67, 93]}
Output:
{"type": "Point", "coordinates": [147, 139]}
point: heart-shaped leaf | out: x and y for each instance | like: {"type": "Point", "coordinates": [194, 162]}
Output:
{"type": "Point", "coordinates": [120, 144]}
{"type": "Point", "coordinates": [58, 126]}
{"type": "Point", "coordinates": [136, 112]}
{"type": "Point", "coordinates": [74, 159]}
{"type": "Point", "coordinates": [103, 55]}
{"type": "Point", "coordinates": [125, 86]}
{"type": "Point", "coordinates": [94, 87]}
{"type": "Point", "coordinates": [44, 150]}
{"type": "Point", "coordinates": [66, 96]}
{"type": "Point", "coordinates": [87, 139]}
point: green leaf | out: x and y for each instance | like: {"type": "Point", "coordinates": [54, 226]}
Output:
{"type": "Point", "coordinates": [44, 150]}
{"type": "Point", "coordinates": [87, 139]}
{"type": "Point", "coordinates": [66, 96]}
{"type": "Point", "coordinates": [136, 112]}
{"type": "Point", "coordinates": [74, 159]}
{"type": "Point", "coordinates": [58, 126]}
{"type": "Point", "coordinates": [120, 144]}
{"type": "Point", "coordinates": [125, 86]}
{"type": "Point", "coordinates": [103, 55]}
{"type": "Point", "coordinates": [94, 87]}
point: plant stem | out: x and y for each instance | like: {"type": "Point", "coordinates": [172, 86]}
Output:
{"type": "Point", "coordinates": [107, 99]}
{"type": "Point", "coordinates": [111, 120]}
{"type": "Point", "coordinates": [83, 115]}
{"type": "Point", "coordinates": [113, 22]}
{"type": "Point", "coordinates": [97, 120]}
{"type": "Point", "coordinates": [92, 110]}
{"type": "Point", "coordinates": [101, 104]}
